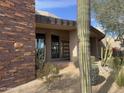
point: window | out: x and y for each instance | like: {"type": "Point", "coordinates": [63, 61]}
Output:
{"type": "Point", "coordinates": [65, 49]}
{"type": "Point", "coordinates": [55, 46]}
{"type": "Point", "coordinates": [40, 41]}
{"type": "Point", "coordinates": [40, 50]}
{"type": "Point", "coordinates": [40, 47]}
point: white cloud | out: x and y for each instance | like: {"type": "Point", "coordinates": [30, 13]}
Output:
{"type": "Point", "coordinates": [47, 4]}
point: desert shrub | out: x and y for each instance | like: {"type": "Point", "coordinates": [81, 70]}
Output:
{"type": "Point", "coordinates": [94, 70]}
{"type": "Point", "coordinates": [120, 78]}
{"type": "Point", "coordinates": [118, 68]}
{"type": "Point", "coordinates": [122, 60]}
{"type": "Point", "coordinates": [40, 58]}
{"type": "Point", "coordinates": [47, 71]}
{"type": "Point", "coordinates": [92, 59]}
{"type": "Point", "coordinates": [116, 63]}
{"type": "Point", "coordinates": [94, 74]}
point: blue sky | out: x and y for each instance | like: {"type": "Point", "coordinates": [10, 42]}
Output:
{"type": "Point", "coordinates": [65, 9]}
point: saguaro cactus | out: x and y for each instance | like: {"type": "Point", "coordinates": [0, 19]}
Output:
{"type": "Point", "coordinates": [83, 37]}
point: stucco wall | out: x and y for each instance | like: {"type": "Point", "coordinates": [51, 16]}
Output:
{"type": "Point", "coordinates": [73, 46]}
{"type": "Point", "coordinates": [17, 35]}
{"type": "Point", "coordinates": [64, 35]}
{"type": "Point", "coordinates": [71, 36]}
{"type": "Point", "coordinates": [95, 47]}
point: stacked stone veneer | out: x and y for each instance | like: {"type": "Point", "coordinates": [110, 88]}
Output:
{"type": "Point", "coordinates": [17, 42]}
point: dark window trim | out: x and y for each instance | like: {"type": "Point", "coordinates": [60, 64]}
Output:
{"type": "Point", "coordinates": [55, 53]}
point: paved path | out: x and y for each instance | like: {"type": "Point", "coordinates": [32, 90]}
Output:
{"type": "Point", "coordinates": [30, 87]}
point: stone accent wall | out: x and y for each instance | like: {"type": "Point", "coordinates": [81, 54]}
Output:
{"type": "Point", "coordinates": [17, 42]}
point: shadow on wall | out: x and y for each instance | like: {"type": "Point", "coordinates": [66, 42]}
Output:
{"type": "Point", "coordinates": [75, 61]}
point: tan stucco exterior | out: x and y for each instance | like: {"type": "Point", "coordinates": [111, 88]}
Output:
{"type": "Point", "coordinates": [70, 36]}
{"type": "Point", "coordinates": [73, 46]}
{"type": "Point", "coordinates": [95, 46]}
{"type": "Point", "coordinates": [66, 30]}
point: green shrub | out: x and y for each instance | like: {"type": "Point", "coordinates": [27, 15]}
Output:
{"type": "Point", "coordinates": [117, 61]}
{"type": "Point", "coordinates": [120, 78]}
{"type": "Point", "coordinates": [116, 64]}
{"type": "Point", "coordinates": [122, 60]}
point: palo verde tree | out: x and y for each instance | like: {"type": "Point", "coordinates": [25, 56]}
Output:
{"type": "Point", "coordinates": [110, 14]}
{"type": "Point", "coordinates": [83, 37]}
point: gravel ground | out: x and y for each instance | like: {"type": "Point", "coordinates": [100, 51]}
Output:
{"type": "Point", "coordinates": [70, 83]}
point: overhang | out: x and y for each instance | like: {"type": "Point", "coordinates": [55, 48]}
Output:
{"type": "Point", "coordinates": [95, 33]}
{"type": "Point", "coordinates": [46, 22]}
{"type": "Point", "coordinates": [54, 23]}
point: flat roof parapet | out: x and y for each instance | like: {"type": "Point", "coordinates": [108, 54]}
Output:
{"type": "Point", "coordinates": [57, 21]}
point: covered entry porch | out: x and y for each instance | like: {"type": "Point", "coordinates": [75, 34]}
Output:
{"type": "Point", "coordinates": [59, 39]}
{"type": "Point", "coordinates": [53, 35]}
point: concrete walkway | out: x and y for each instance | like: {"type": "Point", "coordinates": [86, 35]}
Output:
{"type": "Point", "coordinates": [30, 87]}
